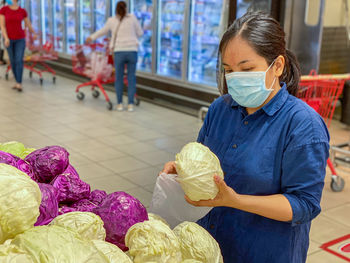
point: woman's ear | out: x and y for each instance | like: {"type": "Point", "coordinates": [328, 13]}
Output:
{"type": "Point", "coordinates": [279, 65]}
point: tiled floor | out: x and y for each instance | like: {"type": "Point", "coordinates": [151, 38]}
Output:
{"type": "Point", "coordinates": [125, 151]}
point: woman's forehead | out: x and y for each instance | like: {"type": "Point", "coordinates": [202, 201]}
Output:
{"type": "Point", "coordinates": [237, 50]}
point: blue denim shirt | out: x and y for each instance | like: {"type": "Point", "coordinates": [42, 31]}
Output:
{"type": "Point", "coordinates": [280, 149]}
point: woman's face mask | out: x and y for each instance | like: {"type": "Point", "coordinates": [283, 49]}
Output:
{"type": "Point", "coordinates": [9, 2]}
{"type": "Point", "coordinates": [248, 89]}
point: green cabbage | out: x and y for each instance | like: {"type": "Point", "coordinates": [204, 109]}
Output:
{"type": "Point", "coordinates": [153, 241]}
{"type": "Point", "coordinates": [112, 252]}
{"type": "Point", "coordinates": [196, 166]}
{"type": "Point", "coordinates": [152, 216]}
{"type": "Point", "coordinates": [26, 152]}
{"type": "Point", "coordinates": [47, 244]}
{"type": "Point", "coordinates": [15, 148]}
{"type": "Point", "coordinates": [11, 254]}
{"type": "Point", "coordinates": [197, 243]}
{"type": "Point", "coordinates": [20, 199]}
{"type": "Point", "coordinates": [88, 225]}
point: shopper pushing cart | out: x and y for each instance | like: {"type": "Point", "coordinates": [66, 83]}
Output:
{"type": "Point", "coordinates": [125, 30]}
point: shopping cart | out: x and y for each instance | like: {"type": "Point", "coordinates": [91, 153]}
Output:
{"type": "Point", "coordinates": [94, 62]}
{"type": "Point", "coordinates": [37, 55]}
{"type": "Point", "coordinates": [322, 95]}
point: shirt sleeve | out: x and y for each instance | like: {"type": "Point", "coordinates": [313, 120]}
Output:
{"type": "Point", "coordinates": [139, 31]}
{"type": "Point", "coordinates": [2, 10]}
{"type": "Point", "coordinates": [204, 129]}
{"type": "Point", "coordinates": [303, 172]}
{"type": "Point", "coordinates": [104, 30]}
{"type": "Point", "coordinates": [25, 14]}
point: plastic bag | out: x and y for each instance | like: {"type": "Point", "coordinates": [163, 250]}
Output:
{"type": "Point", "coordinates": [168, 201]}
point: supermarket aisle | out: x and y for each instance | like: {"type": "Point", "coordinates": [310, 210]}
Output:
{"type": "Point", "coordinates": [124, 151]}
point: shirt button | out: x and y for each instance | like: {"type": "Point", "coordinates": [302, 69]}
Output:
{"type": "Point", "coordinates": [211, 226]}
{"type": "Point", "coordinates": [234, 146]}
{"type": "Point", "coordinates": [246, 123]}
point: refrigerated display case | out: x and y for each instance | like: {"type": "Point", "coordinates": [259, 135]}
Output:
{"type": "Point", "coordinates": [70, 24]}
{"type": "Point", "coordinates": [170, 38]}
{"type": "Point", "coordinates": [85, 23]}
{"type": "Point", "coordinates": [47, 28]}
{"type": "Point", "coordinates": [58, 25]}
{"type": "Point", "coordinates": [244, 6]}
{"type": "Point", "coordinates": [100, 12]}
{"type": "Point", "coordinates": [35, 18]}
{"type": "Point", "coordinates": [206, 27]}
{"type": "Point", "coordinates": [143, 10]}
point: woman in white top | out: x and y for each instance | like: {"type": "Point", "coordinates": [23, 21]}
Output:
{"type": "Point", "coordinates": [125, 30]}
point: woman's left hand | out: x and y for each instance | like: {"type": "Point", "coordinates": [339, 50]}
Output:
{"type": "Point", "coordinates": [225, 197]}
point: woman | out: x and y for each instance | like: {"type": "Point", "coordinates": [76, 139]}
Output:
{"type": "Point", "coordinates": [273, 149]}
{"type": "Point", "coordinates": [2, 60]}
{"type": "Point", "coordinates": [11, 17]}
{"type": "Point", "coordinates": [125, 31]}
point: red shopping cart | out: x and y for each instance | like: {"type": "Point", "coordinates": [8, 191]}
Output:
{"type": "Point", "coordinates": [94, 62]}
{"type": "Point", "coordinates": [39, 54]}
{"type": "Point", "coordinates": [322, 95]}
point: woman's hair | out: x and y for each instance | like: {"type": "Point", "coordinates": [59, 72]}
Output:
{"type": "Point", "coordinates": [265, 35]}
{"type": "Point", "coordinates": [121, 9]}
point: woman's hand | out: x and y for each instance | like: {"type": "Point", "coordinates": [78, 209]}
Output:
{"type": "Point", "coordinates": [34, 36]}
{"type": "Point", "coordinates": [88, 40]}
{"type": "Point", "coordinates": [169, 168]}
{"type": "Point", "coordinates": [7, 42]}
{"type": "Point", "coordinates": [225, 197]}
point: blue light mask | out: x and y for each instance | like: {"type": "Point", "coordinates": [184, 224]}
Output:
{"type": "Point", "coordinates": [9, 2]}
{"type": "Point", "coordinates": [248, 89]}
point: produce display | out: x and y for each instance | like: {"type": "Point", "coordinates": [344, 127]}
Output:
{"type": "Point", "coordinates": [48, 214]}
{"type": "Point", "coordinates": [48, 162]}
{"type": "Point", "coordinates": [88, 225]}
{"type": "Point", "coordinates": [119, 211]}
{"type": "Point", "coordinates": [49, 204]}
{"type": "Point", "coordinates": [153, 241]}
{"type": "Point", "coordinates": [196, 166]}
{"type": "Point", "coordinates": [20, 199]}
{"type": "Point", "coordinates": [197, 243]}
{"type": "Point", "coordinates": [112, 252]}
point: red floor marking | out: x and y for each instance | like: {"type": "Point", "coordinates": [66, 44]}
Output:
{"type": "Point", "coordinates": [345, 248]}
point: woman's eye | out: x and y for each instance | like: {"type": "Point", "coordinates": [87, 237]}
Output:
{"type": "Point", "coordinates": [247, 69]}
{"type": "Point", "coordinates": [228, 71]}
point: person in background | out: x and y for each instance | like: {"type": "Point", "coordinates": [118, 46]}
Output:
{"type": "Point", "coordinates": [11, 17]}
{"type": "Point", "coordinates": [273, 149]}
{"type": "Point", "coordinates": [125, 30]}
{"type": "Point", "coordinates": [2, 47]}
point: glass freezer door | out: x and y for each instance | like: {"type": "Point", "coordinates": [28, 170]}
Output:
{"type": "Point", "coordinates": [85, 20]}
{"type": "Point", "coordinates": [47, 12]}
{"type": "Point", "coordinates": [35, 16]}
{"type": "Point", "coordinates": [100, 11]}
{"type": "Point", "coordinates": [58, 25]}
{"type": "Point", "coordinates": [170, 37]}
{"type": "Point", "coordinates": [143, 11]}
{"type": "Point", "coordinates": [206, 27]}
{"type": "Point", "coordinates": [70, 25]}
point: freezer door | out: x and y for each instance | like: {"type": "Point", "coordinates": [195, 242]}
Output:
{"type": "Point", "coordinates": [143, 10]}
{"type": "Point", "coordinates": [206, 27]}
{"type": "Point", "coordinates": [47, 11]}
{"type": "Point", "coordinates": [35, 18]}
{"type": "Point", "coordinates": [170, 38]}
{"type": "Point", "coordinates": [70, 24]}
{"type": "Point", "coordinates": [85, 23]}
{"type": "Point", "coordinates": [244, 6]}
{"type": "Point", "coordinates": [58, 25]}
{"type": "Point", "coordinates": [100, 11]}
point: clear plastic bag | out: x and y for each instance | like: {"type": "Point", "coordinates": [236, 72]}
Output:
{"type": "Point", "coordinates": [168, 201]}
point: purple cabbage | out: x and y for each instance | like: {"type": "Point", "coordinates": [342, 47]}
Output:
{"type": "Point", "coordinates": [49, 205]}
{"type": "Point", "coordinates": [119, 211]}
{"type": "Point", "coordinates": [17, 162]}
{"type": "Point", "coordinates": [48, 162]}
{"type": "Point", "coordinates": [70, 187]}
{"type": "Point", "coordinates": [83, 205]}
{"type": "Point", "coordinates": [97, 196]}
{"type": "Point", "coordinates": [65, 209]}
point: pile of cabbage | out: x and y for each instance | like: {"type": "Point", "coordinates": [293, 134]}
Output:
{"type": "Point", "coordinates": [48, 214]}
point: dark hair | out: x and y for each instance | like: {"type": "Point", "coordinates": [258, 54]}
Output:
{"type": "Point", "coordinates": [267, 38]}
{"type": "Point", "coordinates": [121, 9]}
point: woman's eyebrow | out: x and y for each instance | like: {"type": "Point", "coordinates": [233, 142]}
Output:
{"type": "Point", "coordinates": [242, 62]}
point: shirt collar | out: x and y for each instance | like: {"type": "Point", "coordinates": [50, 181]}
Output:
{"type": "Point", "coordinates": [274, 104]}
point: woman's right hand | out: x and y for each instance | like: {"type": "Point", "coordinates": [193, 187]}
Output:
{"type": "Point", "coordinates": [7, 42]}
{"type": "Point", "coordinates": [169, 168]}
{"type": "Point", "coordinates": [88, 40]}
